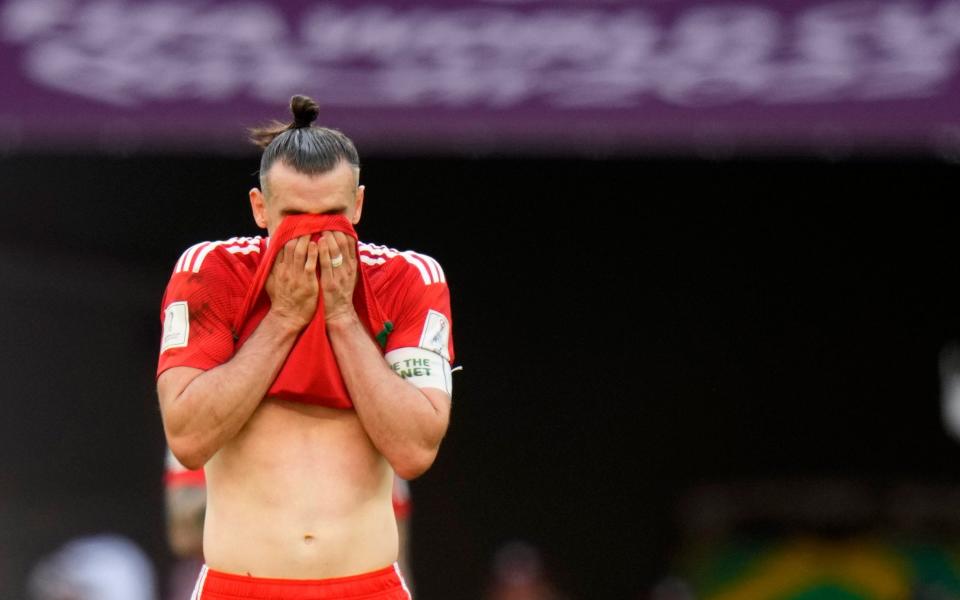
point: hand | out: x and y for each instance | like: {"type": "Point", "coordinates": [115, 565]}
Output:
{"type": "Point", "coordinates": [338, 282]}
{"type": "Point", "coordinates": [292, 284]}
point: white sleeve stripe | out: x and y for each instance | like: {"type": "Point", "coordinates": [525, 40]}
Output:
{"type": "Point", "coordinates": [243, 245]}
{"type": "Point", "coordinates": [434, 275]}
{"type": "Point", "coordinates": [203, 254]}
{"type": "Point", "coordinates": [183, 257]}
{"type": "Point", "coordinates": [409, 257]}
{"type": "Point", "coordinates": [188, 260]}
{"type": "Point", "coordinates": [430, 269]}
{"type": "Point", "coordinates": [193, 257]}
{"type": "Point", "coordinates": [436, 265]}
{"type": "Point", "coordinates": [242, 249]}
{"type": "Point", "coordinates": [179, 265]}
{"type": "Point", "coordinates": [378, 251]}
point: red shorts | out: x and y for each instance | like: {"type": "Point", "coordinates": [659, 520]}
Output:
{"type": "Point", "coordinates": [385, 584]}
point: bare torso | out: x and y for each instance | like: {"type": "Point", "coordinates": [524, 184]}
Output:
{"type": "Point", "coordinates": [299, 493]}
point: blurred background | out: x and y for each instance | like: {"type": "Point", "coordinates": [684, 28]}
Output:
{"type": "Point", "coordinates": [702, 257]}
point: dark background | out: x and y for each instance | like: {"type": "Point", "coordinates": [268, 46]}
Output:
{"type": "Point", "coordinates": [628, 329]}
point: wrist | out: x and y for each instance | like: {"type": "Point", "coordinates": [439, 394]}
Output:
{"type": "Point", "coordinates": [285, 322]}
{"type": "Point", "coordinates": [344, 319]}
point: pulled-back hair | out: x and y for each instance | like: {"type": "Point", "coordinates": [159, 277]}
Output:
{"type": "Point", "coordinates": [307, 149]}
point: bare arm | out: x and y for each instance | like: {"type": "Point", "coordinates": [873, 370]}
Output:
{"type": "Point", "coordinates": [203, 410]}
{"type": "Point", "coordinates": [406, 424]}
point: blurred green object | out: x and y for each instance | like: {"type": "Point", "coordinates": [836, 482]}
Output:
{"type": "Point", "coordinates": [808, 568]}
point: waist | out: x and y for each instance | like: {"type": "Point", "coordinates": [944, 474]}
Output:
{"type": "Point", "coordinates": [386, 583]}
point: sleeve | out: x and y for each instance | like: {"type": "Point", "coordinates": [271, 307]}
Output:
{"type": "Point", "coordinates": [422, 317]}
{"type": "Point", "coordinates": [199, 305]}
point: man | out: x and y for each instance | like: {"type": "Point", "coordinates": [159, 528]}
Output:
{"type": "Point", "coordinates": [298, 492]}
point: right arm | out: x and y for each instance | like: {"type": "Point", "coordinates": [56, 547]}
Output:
{"type": "Point", "coordinates": [203, 410]}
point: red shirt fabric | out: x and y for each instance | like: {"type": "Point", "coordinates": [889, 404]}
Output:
{"type": "Point", "coordinates": [211, 282]}
{"type": "Point", "coordinates": [310, 374]}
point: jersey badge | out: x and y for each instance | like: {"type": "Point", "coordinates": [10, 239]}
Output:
{"type": "Point", "coordinates": [176, 326]}
{"type": "Point", "coordinates": [436, 334]}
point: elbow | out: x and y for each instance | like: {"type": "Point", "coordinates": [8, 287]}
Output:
{"type": "Point", "coordinates": [411, 465]}
{"type": "Point", "coordinates": [410, 471]}
{"type": "Point", "coordinates": [188, 452]}
{"type": "Point", "coordinates": [191, 448]}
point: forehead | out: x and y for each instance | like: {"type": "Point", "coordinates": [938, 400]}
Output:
{"type": "Point", "coordinates": [292, 187]}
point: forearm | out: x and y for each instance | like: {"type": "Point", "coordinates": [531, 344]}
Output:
{"type": "Point", "coordinates": [216, 404]}
{"type": "Point", "coordinates": [403, 423]}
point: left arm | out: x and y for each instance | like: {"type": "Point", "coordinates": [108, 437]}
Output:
{"type": "Point", "coordinates": [406, 424]}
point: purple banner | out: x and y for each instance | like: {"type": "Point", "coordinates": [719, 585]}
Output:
{"type": "Point", "coordinates": [489, 76]}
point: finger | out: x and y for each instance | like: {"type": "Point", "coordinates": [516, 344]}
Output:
{"type": "Point", "coordinates": [286, 252]}
{"type": "Point", "coordinates": [331, 241]}
{"type": "Point", "coordinates": [343, 244]}
{"type": "Point", "coordinates": [300, 251]}
{"type": "Point", "coordinates": [352, 248]}
{"type": "Point", "coordinates": [326, 271]}
{"type": "Point", "coordinates": [313, 253]}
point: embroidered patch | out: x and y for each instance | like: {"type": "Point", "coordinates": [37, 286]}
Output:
{"type": "Point", "coordinates": [436, 334]}
{"type": "Point", "coordinates": [176, 326]}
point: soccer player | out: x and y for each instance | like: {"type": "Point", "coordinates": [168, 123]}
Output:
{"type": "Point", "coordinates": [299, 471]}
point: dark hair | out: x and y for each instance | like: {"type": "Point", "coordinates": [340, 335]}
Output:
{"type": "Point", "coordinates": [300, 145]}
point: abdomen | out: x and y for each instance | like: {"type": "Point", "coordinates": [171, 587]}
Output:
{"type": "Point", "coordinates": [300, 493]}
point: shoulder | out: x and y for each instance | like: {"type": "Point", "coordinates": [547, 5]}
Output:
{"type": "Point", "coordinates": [236, 251]}
{"type": "Point", "coordinates": [406, 265]}
{"type": "Point", "coordinates": [417, 300]}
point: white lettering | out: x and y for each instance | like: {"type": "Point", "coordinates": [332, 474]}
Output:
{"type": "Point", "coordinates": [126, 53]}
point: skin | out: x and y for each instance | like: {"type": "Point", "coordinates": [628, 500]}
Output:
{"type": "Point", "coordinates": [185, 507]}
{"type": "Point", "coordinates": [300, 491]}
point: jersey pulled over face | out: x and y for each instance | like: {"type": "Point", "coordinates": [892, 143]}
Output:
{"type": "Point", "coordinates": [211, 279]}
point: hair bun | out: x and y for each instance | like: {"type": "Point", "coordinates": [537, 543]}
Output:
{"type": "Point", "coordinates": [304, 110]}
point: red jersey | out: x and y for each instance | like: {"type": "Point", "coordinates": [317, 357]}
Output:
{"type": "Point", "coordinates": [211, 279]}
